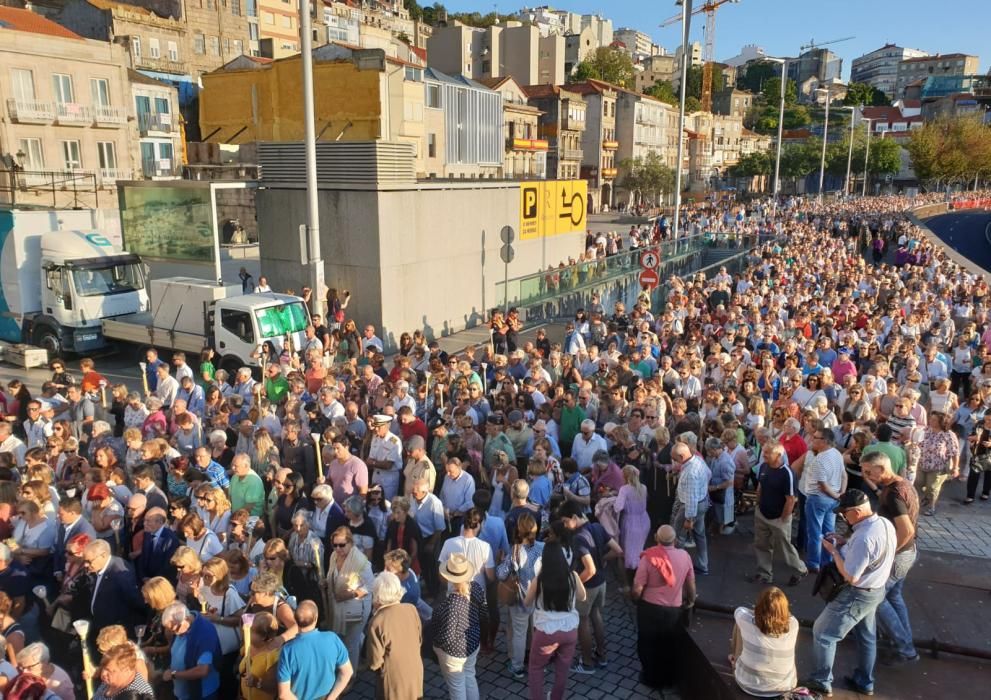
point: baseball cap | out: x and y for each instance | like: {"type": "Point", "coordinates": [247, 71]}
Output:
{"type": "Point", "coordinates": [852, 498]}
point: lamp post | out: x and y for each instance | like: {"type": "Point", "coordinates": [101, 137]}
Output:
{"type": "Point", "coordinates": [310, 143]}
{"type": "Point", "coordinates": [867, 155]}
{"type": "Point", "coordinates": [781, 126]}
{"type": "Point", "coordinates": [686, 23]}
{"type": "Point", "coordinates": [825, 140]}
{"type": "Point", "coordinates": [849, 158]}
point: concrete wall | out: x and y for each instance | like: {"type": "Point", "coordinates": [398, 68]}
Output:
{"type": "Point", "coordinates": [425, 258]}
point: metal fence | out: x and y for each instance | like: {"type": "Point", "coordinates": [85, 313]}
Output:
{"type": "Point", "coordinates": [78, 189]}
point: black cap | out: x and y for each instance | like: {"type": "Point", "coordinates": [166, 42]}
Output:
{"type": "Point", "coordinates": [495, 418]}
{"type": "Point", "coordinates": [852, 498]}
{"type": "Point", "coordinates": [435, 422]}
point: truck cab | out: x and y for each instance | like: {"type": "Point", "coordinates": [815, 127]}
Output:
{"type": "Point", "coordinates": [242, 323]}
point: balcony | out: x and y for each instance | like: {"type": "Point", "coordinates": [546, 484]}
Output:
{"type": "Point", "coordinates": [569, 124]}
{"type": "Point", "coordinates": [158, 167]}
{"type": "Point", "coordinates": [569, 153]}
{"type": "Point", "coordinates": [30, 111]}
{"type": "Point", "coordinates": [105, 115]}
{"type": "Point", "coordinates": [609, 173]}
{"type": "Point", "coordinates": [109, 176]}
{"type": "Point", "coordinates": [161, 65]}
{"type": "Point", "coordinates": [610, 145]}
{"type": "Point", "coordinates": [526, 144]}
{"type": "Point", "coordinates": [156, 123]}
{"type": "Point", "coordinates": [72, 114]}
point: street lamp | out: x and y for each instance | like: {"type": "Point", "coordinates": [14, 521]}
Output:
{"type": "Point", "coordinates": [867, 155]}
{"type": "Point", "coordinates": [825, 139]}
{"type": "Point", "coordinates": [849, 158]}
{"type": "Point", "coordinates": [686, 23]}
{"type": "Point", "coordinates": [781, 125]}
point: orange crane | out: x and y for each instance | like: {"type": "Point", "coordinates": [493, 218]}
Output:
{"type": "Point", "coordinates": [709, 7]}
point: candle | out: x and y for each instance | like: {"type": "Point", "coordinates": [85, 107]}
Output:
{"type": "Point", "coordinates": [316, 445]}
{"type": "Point", "coordinates": [82, 629]}
{"type": "Point", "coordinates": [246, 620]}
{"type": "Point", "coordinates": [316, 558]}
{"type": "Point", "coordinates": [144, 377]}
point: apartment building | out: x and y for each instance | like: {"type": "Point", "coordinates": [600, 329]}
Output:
{"type": "Point", "coordinates": [509, 49]}
{"type": "Point", "coordinates": [278, 28]}
{"type": "Point", "coordinates": [66, 102]}
{"type": "Point", "coordinates": [657, 68]}
{"type": "Point", "coordinates": [911, 70]}
{"type": "Point", "coordinates": [525, 155]}
{"type": "Point", "coordinates": [716, 142]}
{"type": "Point", "coordinates": [464, 131]}
{"type": "Point", "coordinates": [549, 21]}
{"type": "Point", "coordinates": [561, 124]}
{"type": "Point", "coordinates": [732, 102]}
{"type": "Point", "coordinates": [636, 43]}
{"type": "Point", "coordinates": [645, 125]}
{"type": "Point", "coordinates": [599, 144]}
{"type": "Point", "coordinates": [879, 68]}
{"type": "Point", "coordinates": [159, 144]}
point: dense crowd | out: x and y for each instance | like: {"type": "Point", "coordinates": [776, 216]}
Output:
{"type": "Point", "coordinates": [274, 536]}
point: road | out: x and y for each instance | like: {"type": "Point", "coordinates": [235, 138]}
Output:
{"type": "Point", "coordinates": [965, 232]}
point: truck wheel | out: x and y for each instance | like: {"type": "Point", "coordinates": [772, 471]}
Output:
{"type": "Point", "coordinates": [48, 339]}
{"type": "Point", "coordinates": [231, 365]}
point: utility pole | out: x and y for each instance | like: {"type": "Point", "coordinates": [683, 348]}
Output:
{"type": "Point", "coordinates": [310, 142]}
{"type": "Point", "coordinates": [686, 24]}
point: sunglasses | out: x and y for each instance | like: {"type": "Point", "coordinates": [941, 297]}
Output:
{"type": "Point", "coordinates": [340, 545]}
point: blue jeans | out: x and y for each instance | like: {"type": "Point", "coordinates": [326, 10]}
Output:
{"type": "Point", "coordinates": [851, 611]}
{"type": "Point", "coordinates": [698, 531]}
{"type": "Point", "coordinates": [819, 520]}
{"type": "Point", "coordinates": [892, 613]}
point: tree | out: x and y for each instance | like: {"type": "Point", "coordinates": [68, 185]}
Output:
{"type": "Point", "coordinates": [950, 150]}
{"type": "Point", "coordinates": [664, 91]}
{"type": "Point", "coordinates": [753, 164]}
{"type": "Point", "coordinates": [756, 74]}
{"type": "Point", "coordinates": [866, 95]}
{"type": "Point", "coordinates": [801, 159]}
{"type": "Point", "coordinates": [772, 91]}
{"type": "Point", "coordinates": [607, 64]}
{"type": "Point", "coordinates": [693, 104]}
{"type": "Point", "coordinates": [415, 11]}
{"type": "Point", "coordinates": [648, 178]}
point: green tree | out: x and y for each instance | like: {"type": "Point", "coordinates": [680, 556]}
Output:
{"type": "Point", "coordinates": [647, 178]}
{"type": "Point", "coordinates": [756, 75]}
{"type": "Point", "coordinates": [606, 64]}
{"type": "Point", "coordinates": [801, 159]}
{"type": "Point", "coordinates": [772, 91]}
{"type": "Point", "coordinates": [415, 11]}
{"type": "Point", "coordinates": [693, 104]}
{"type": "Point", "coordinates": [865, 94]}
{"type": "Point", "coordinates": [950, 150]}
{"type": "Point", "coordinates": [664, 91]}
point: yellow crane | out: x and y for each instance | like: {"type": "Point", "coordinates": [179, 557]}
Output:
{"type": "Point", "coordinates": [708, 54]}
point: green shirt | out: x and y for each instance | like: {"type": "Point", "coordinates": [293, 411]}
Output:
{"type": "Point", "coordinates": [250, 489]}
{"type": "Point", "coordinates": [493, 445]}
{"type": "Point", "coordinates": [276, 389]}
{"type": "Point", "coordinates": [571, 424]}
{"type": "Point", "coordinates": [895, 453]}
{"type": "Point", "coordinates": [207, 368]}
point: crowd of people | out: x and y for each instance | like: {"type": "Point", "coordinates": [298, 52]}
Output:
{"type": "Point", "coordinates": [260, 537]}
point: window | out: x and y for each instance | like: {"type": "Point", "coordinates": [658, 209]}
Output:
{"type": "Point", "coordinates": [96, 279]}
{"type": "Point", "coordinates": [431, 145]}
{"type": "Point", "coordinates": [236, 8]}
{"type": "Point", "coordinates": [143, 104]}
{"type": "Point", "coordinates": [22, 82]}
{"type": "Point", "coordinates": [108, 155]}
{"type": "Point", "coordinates": [173, 51]}
{"type": "Point", "coordinates": [153, 49]}
{"type": "Point", "coordinates": [252, 7]}
{"type": "Point", "coordinates": [199, 44]}
{"type": "Point", "coordinates": [136, 46]}
{"type": "Point", "coordinates": [71, 158]}
{"type": "Point", "coordinates": [211, 4]}
{"type": "Point", "coordinates": [275, 321]}
{"type": "Point", "coordinates": [268, 18]}
{"type": "Point", "coordinates": [253, 32]}
{"type": "Point", "coordinates": [162, 105]}
{"type": "Point", "coordinates": [286, 21]}
{"type": "Point", "coordinates": [227, 45]}
{"type": "Point", "coordinates": [433, 96]}
{"type": "Point", "coordinates": [238, 47]}
{"type": "Point", "coordinates": [100, 92]}
{"type": "Point", "coordinates": [62, 87]}
{"type": "Point", "coordinates": [34, 157]}
{"type": "Point", "coordinates": [165, 152]}
{"type": "Point", "coordinates": [413, 74]}
{"type": "Point", "coordinates": [214, 46]}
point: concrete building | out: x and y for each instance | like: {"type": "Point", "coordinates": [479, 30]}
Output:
{"type": "Point", "coordinates": [509, 49]}
{"type": "Point", "coordinates": [750, 52]}
{"type": "Point", "coordinates": [655, 69]}
{"type": "Point", "coordinates": [278, 26]}
{"type": "Point", "coordinates": [911, 70]}
{"type": "Point", "coordinates": [599, 144]}
{"type": "Point", "coordinates": [694, 54]}
{"type": "Point", "coordinates": [159, 142]}
{"type": "Point", "coordinates": [549, 21]}
{"type": "Point", "coordinates": [578, 47]}
{"type": "Point", "coordinates": [467, 141]}
{"type": "Point", "coordinates": [561, 124]}
{"type": "Point", "coordinates": [341, 24]}
{"type": "Point", "coordinates": [525, 155]}
{"type": "Point", "coordinates": [879, 68]}
{"type": "Point", "coordinates": [732, 102]}
{"type": "Point", "coordinates": [715, 144]}
{"type": "Point", "coordinates": [638, 44]}
{"type": "Point", "coordinates": [822, 64]}
{"type": "Point", "coordinates": [644, 125]}
{"type": "Point", "coordinates": [67, 118]}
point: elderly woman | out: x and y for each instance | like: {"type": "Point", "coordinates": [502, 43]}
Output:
{"type": "Point", "coordinates": [268, 595]}
{"type": "Point", "coordinates": [515, 573]}
{"type": "Point", "coordinates": [763, 655]}
{"type": "Point", "coordinates": [156, 423]}
{"type": "Point", "coordinates": [349, 579]}
{"type": "Point", "coordinates": [189, 569]}
{"type": "Point", "coordinates": [939, 460]}
{"type": "Point", "coordinates": [116, 635]}
{"type": "Point", "coordinates": [663, 585]}
{"type": "Point", "coordinates": [34, 533]}
{"type": "Point", "coordinates": [35, 660]}
{"type": "Point", "coordinates": [195, 654]}
{"type": "Point", "coordinates": [397, 561]}
{"type": "Point", "coordinates": [403, 532]}
{"type": "Point", "coordinates": [456, 627]}
{"type": "Point", "coordinates": [107, 514]}
{"type": "Point", "coordinates": [159, 594]}
{"type": "Point", "coordinates": [199, 537]}
{"type": "Point", "coordinates": [221, 605]}
{"type": "Point", "coordinates": [721, 482]}
{"type": "Point", "coordinates": [394, 638]}
{"type": "Point", "coordinates": [257, 672]}
{"type": "Point", "coordinates": [306, 550]}
{"type": "Point", "coordinates": [362, 529]}
{"type": "Point", "coordinates": [245, 533]}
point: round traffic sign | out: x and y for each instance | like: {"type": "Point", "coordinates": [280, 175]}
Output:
{"type": "Point", "coordinates": [649, 278]}
{"type": "Point", "coordinates": [507, 235]}
{"type": "Point", "coordinates": [650, 260]}
{"type": "Point", "coordinates": [507, 253]}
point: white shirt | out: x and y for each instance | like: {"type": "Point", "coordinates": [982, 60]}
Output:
{"type": "Point", "coordinates": [183, 370]}
{"type": "Point", "coordinates": [827, 467]}
{"type": "Point", "coordinates": [477, 551]}
{"type": "Point", "coordinates": [582, 451]}
{"type": "Point", "coordinates": [14, 445]}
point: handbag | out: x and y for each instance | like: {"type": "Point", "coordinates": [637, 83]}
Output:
{"type": "Point", "coordinates": [508, 589]}
{"type": "Point", "coordinates": [829, 583]}
{"type": "Point", "coordinates": [62, 621]}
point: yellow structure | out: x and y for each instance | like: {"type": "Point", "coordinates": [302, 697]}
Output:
{"type": "Point", "coordinates": [360, 95]}
{"type": "Point", "coordinates": [552, 208]}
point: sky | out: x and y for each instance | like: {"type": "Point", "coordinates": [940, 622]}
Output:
{"type": "Point", "coordinates": [782, 26]}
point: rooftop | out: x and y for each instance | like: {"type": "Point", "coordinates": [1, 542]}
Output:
{"type": "Point", "coordinates": [18, 20]}
{"type": "Point", "coordinates": [937, 57]}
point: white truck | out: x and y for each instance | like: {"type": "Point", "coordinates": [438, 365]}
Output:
{"type": "Point", "coordinates": [67, 287]}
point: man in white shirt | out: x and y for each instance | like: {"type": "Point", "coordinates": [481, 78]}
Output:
{"type": "Point", "coordinates": [586, 444]}
{"type": "Point", "coordinates": [11, 443]}
{"type": "Point", "coordinates": [825, 479]}
{"type": "Point", "coordinates": [37, 428]}
{"type": "Point", "coordinates": [168, 387]}
{"type": "Point", "coordinates": [181, 368]}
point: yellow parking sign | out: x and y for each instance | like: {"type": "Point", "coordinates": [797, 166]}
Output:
{"type": "Point", "coordinates": [552, 208]}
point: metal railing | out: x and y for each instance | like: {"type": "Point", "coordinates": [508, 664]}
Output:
{"type": "Point", "coordinates": [73, 114]}
{"type": "Point", "coordinates": [109, 176]}
{"type": "Point", "coordinates": [30, 110]}
{"type": "Point", "coordinates": [156, 167]}
{"type": "Point", "coordinates": [156, 121]}
{"type": "Point", "coordinates": [74, 188]}
{"type": "Point", "coordinates": [107, 114]}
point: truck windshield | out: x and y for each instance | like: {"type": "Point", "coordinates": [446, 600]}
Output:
{"type": "Point", "coordinates": [274, 321]}
{"type": "Point", "coordinates": [113, 279]}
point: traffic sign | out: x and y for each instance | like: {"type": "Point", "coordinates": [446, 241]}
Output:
{"type": "Point", "coordinates": [649, 259]}
{"type": "Point", "coordinates": [507, 253]}
{"type": "Point", "coordinates": [507, 235]}
{"type": "Point", "coordinates": [649, 278]}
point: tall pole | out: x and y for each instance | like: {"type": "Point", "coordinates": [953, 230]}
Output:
{"type": "Point", "coordinates": [686, 23]}
{"type": "Point", "coordinates": [310, 138]}
{"type": "Point", "coordinates": [867, 156]}
{"type": "Point", "coordinates": [781, 131]}
{"type": "Point", "coordinates": [849, 158]}
{"type": "Point", "coordinates": [825, 139]}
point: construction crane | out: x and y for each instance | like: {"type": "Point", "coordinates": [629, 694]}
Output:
{"type": "Point", "coordinates": [709, 7]}
{"type": "Point", "coordinates": [813, 45]}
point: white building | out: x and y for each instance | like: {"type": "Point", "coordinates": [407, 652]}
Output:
{"type": "Point", "coordinates": [750, 52]}
{"type": "Point", "coordinates": [638, 44]}
{"type": "Point", "coordinates": [879, 68]}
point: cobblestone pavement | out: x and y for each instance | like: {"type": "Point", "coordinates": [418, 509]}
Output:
{"type": "Point", "coordinates": [619, 680]}
{"type": "Point", "coordinates": [957, 528]}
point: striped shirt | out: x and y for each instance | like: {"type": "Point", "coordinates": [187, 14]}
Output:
{"type": "Point", "coordinates": [766, 666]}
{"type": "Point", "coordinates": [693, 485]}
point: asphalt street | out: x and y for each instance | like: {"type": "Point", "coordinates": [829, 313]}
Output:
{"type": "Point", "coordinates": [967, 233]}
